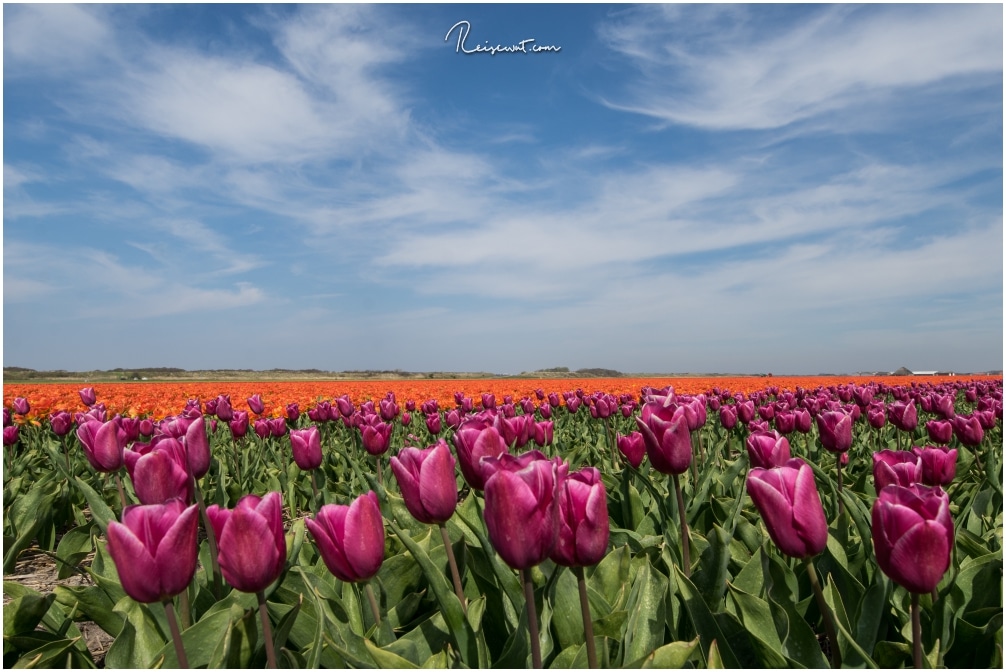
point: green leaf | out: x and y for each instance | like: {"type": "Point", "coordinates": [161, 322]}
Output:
{"type": "Point", "coordinates": [757, 617]}
{"type": "Point", "coordinates": [454, 616]}
{"type": "Point", "coordinates": [705, 625]}
{"type": "Point", "coordinates": [566, 617]}
{"type": "Point", "coordinates": [799, 643]}
{"type": "Point", "coordinates": [672, 656]}
{"type": "Point", "coordinates": [100, 512]}
{"type": "Point", "coordinates": [872, 611]}
{"type": "Point", "coordinates": [93, 602]}
{"type": "Point", "coordinates": [751, 578]}
{"type": "Point", "coordinates": [847, 643]}
{"type": "Point", "coordinates": [644, 630]}
{"type": "Point", "coordinates": [61, 653]}
{"type": "Point", "coordinates": [72, 548]}
{"type": "Point", "coordinates": [386, 659]}
{"type": "Point", "coordinates": [610, 577]}
{"type": "Point", "coordinates": [711, 579]}
{"type": "Point", "coordinates": [139, 641]}
{"type": "Point", "coordinates": [24, 613]}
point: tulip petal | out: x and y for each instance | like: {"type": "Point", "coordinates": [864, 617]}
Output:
{"type": "Point", "coordinates": [363, 542]}
{"type": "Point", "coordinates": [920, 558]}
{"type": "Point", "coordinates": [438, 490]}
{"type": "Point", "coordinates": [134, 563]}
{"type": "Point", "coordinates": [177, 552]}
{"type": "Point", "coordinates": [247, 563]}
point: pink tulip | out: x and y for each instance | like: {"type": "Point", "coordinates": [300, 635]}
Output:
{"type": "Point", "coordinates": [938, 465]}
{"type": "Point", "coordinates": [350, 538]}
{"type": "Point", "coordinates": [895, 467]}
{"type": "Point", "coordinates": [87, 396]}
{"type": "Point", "coordinates": [154, 549]}
{"type": "Point", "coordinates": [521, 510]}
{"type": "Point", "coordinates": [790, 506]}
{"type": "Point", "coordinates": [255, 404]}
{"type": "Point", "coordinates": [583, 520]}
{"type": "Point", "coordinates": [250, 539]}
{"type": "Point", "coordinates": [767, 450]}
{"type": "Point", "coordinates": [913, 535]}
{"type": "Point", "coordinates": [665, 432]}
{"type": "Point", "coordinates": [159, 471]}
{"type": "Point", "coordinates": [474, 440]}
{"type": "Point", "coordinates": [427, 481]}
{"type": "Point", "coordinates": [102, 445]}
{"type": "Point", "coordinates": [306, 445]}
{"type": "Point", "coordinates": [633, 447]}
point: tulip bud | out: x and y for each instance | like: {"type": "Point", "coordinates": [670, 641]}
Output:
{"type": "Point", "coordinates": [433, 423]}
{"type": "Point", "coordinates": [159, 471]}
{"type": "Point", "coordinates": [224, 410]}
{"type": "Point", "coordinates": [277, 427]}
{"type": "Point", "coordinates": [665, 432]}
{"type": "Point", "coordinates": [544, 432]}
{"type": "Point", "coordinates": [376, 437]}
{"type": "Point", "coordinates": [406, 419]}
{"type": "Point", "coordinates": [767, 450]}
{"type": "Point", "coordinates": [21, 406]}
{"type": "Point", "coordinates": [895, 467]}
{"type": "Point", "coordinates": [968, 430]}
{"type": "Point", "coordinates": [913, 535]}
{"type": "Point", "coordinates": [943, 405]}
{"type": "Point", "coordinates": [583, 520]}
{"type": "Point", "coordinates": [632, 446]}
{"type": "Point", "coordinates": [255, 404]}
{"type": "Point", "coordinates": [903, 415]}
{"type": "Point", "coordinates": [11, 434]}
{"type": "Point", "coordinates": [521, 510]}
{"type": "Point", "coordinates": [546, 410]}
{"type": "Point", "coordinates": [262, 428]}
{"type": "Point", "coordinates": [785, 422]}
{"type": "Point", "coordinates": [350, 539]}
{"type": "Point", "coordinates": [88, 396]}
{"type": "Point", "coordinates": [197, 447]}
{"type": "Point", "coordinates": [61, 422]}
{"type": "Point", "coordinates": [306, 445]}
{"type": "Point", "coordinates": [238, 424]}
{"type": "Point", "coordinates": [101, 444]}
{"type": "Point", "coordinates": [745, 411]}
{"type": "Point", "coordinates": [474, 440]}
{"type": "Point", "coordinates": [6, 417]}
{"type": "Point", "coordinates": [250, 539]}
{"type": "Point", "coordinates": [728, 416]}
{"type": "Point", "coordinates": [940, 431]}
{"type": "Point", "coordinates": [790, 506]}
{"type": "Point", "coordinates": [292, 412]}
{"type": "Point", "coordinates": [938, 465]}
{"type": "Point", "coordinates": [427, 481]}
{"type": "Point", "coordinates": [453, 418]}
{"type": "Point", "coordinates": [154, 549]}
{"type": "Point", "coordinates": [835, 428]}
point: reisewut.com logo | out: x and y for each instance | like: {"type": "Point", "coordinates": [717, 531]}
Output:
{"type": "Point", "coordinates": [525, 46]}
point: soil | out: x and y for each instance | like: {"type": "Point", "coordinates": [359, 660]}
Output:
{"type": "Point", "coordinates": [38, 571]}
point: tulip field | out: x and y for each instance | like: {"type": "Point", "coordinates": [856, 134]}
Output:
{"type": "Point", "coordinates": [694, 522]}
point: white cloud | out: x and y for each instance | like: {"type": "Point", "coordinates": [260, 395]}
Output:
{"type": "Point", "coordinates": [835, 59]}
{"type": "Point", "coordinates": [52, 37]}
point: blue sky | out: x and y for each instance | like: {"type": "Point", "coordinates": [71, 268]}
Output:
{"type": "Point", "coordinates": [707, 188]}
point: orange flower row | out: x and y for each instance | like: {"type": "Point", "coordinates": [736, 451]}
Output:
{"type": "Point", "coordinates": [160, 399]}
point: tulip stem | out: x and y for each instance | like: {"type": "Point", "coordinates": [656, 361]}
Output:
{"type": "Point", "coordinates": [314, 486]}
{"type": "Point", "coordinates": [916, 633]}
{"type": "Point", "coordinates": [380, 476]}
{"type": "Point", "coordinates": [176, 635]}
{"type": "Point", "coordinates": [211, 537]}
{"type": "Point", "coordinates": [374, 609]}
{"type": "Point", "coordinates": [829, 621]}
{"type": "Point", "coordinates": [686, 556]}
{"type": "Point", "coordinates": [270, 647]}
{"type": "Point", "coordinates": [841, 504]}
{"type": "Point", "coordinates": [588, 625]}
{"type": "Point", "coordinates": [458, 590]}
{"type": "Point", "coordinates": [122, 492]}
{"type": "Point", "coordinates": [532, 618]}
{"type": "Point", "coordinates": [66, 452]}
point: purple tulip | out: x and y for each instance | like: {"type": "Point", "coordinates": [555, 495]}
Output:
{"type": "Point", "coordinates": [21, 406]}
{"type": "Point", "coordinates": [11, 434]}
{"type": "Point", "coordinates": [427, 481]}
{"type": "Point", "coordinates": [790, 506]}
{"type": "Point", "coordinates": [224, 410]}
{"type": "Point", "coordinates": [968, 430]}
{"type": "Point", "coordinates": [521, 509]}
{"type": "Point", "coordinates": [474, 440]}
{"type": "Point", "coordinates": [488, 400]}
{"type": "Point", "coordinates": [515, 431]}
{"type": "Point", "coordinates": [159, 471]}
{"type": "Point", "coordinates": [406, 419]}
{"type": "Point", "coordinates": [913, 535]}
{"type": "Point", "coordinates": [292, 412]}
{"type": "Point", "coordinates": [903, 415]}
{"type": "Point", "coordinates": [350, 538]}
{"type": "Point", "coordinates": [262, 428]}
{"type": "Point", "coordinates": [785, 422]}
{"type": "Point", "coordinates": [376, 437]}
{"type": "Point", "coordinates": [665, 432]}
{"type": "Point", "coordinates": [433, 423]}
{"type": "Point", "coordinates": [835, 428]}
{"type": "Point", "coordinates": [146, 427]}
{"type": "Point", "coordinates": [633, 447]}
{"type": "Point", "coordinates": [943, 405]}
{"type": "Point", "coordinates": [250, 539]}
{"type": "Point", "coordinates": [802, 420]}
{"type": "Point", "coordinates": [544, 432]}
{"type": "Point", "coordinates": [197, 447]}
{"type": "Point", "coordinates": [88, 396]}
{"type": "Point", "coordinates": [940, 431]}
{"type": "Point", "coordinates": [255, 404]}
{"type": "Point", "coordinates": [62, 423]}
{"type": "Point", "coordinates": [388, 410]}
{"type": "Point", "coordinates": [154, 549]}
{"type": "Point", "coordinates": [306, 444]}
{"type": "Point", "coordinates": [546, 410]}
{"type": "Point", "coordinates": [745, 411]}
{"type": "Point", "coordinates": [728, 416]}
{"type": "Point", "coordinates": [7, 418]}
{"type": "Point", "coordinates": [896, 467]}
{"type": "Point", "coordinates": [939, 464]}
{"type": "Point", "coordinates": [102, 445]}
{"type": "Point", "coordinates": [583, 520]}
{"type": "Point", "coordinates": [238, 424]}
{"type": "Point", "coordinates": [768, 449]}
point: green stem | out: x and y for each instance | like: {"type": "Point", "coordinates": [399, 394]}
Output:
{"type": "Point", "coordinates": [185, 608]}
{"type": "Point", "coordinates": [373, 604]}
{"type": "Point", "coordinates": [211, 537]}
{"type": "Point", "coordinates": [176, 635]}
{"type": "Point", "coordinates": [122, 492]}
{"type": "Point", "coordinates": [916, 633]}
{"type": "Point", "coordinates": [314, 486]}
{"type": "Point", "coordinates": [588, 625]}
{"type": "Point", "coordinates": [826, 616]}
{"type": "Point", "coordinates": [686, 555]}
{"type": "Point", "coordinates": [532, 618]}
{"type": "Point", "coordinates": [452, 561]}
{"type": "Point", "coordinates": [270, 647]}
{"type": "Point", "coordinates": [841, 504]}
